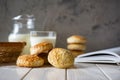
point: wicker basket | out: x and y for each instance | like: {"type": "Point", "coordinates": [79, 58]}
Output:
{"type": "Point", "coordinates": [9, 51]}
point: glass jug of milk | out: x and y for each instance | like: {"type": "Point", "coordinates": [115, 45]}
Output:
{"type": "Point", "coordinates": [21, 31]}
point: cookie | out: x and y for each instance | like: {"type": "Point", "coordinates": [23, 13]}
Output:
{"type": "Point", "coordinates": [29, 61]}
{"type": "Point", "coordinates": [76, 47]}
{"type": "Point", "coordinates": [39, 48]}
{"type": "Point", "coordinates": [75, 53]}
{"type": "Point", "coordinates": [60, 58]}
{"type": "Point", "coordinates": [76, 39]}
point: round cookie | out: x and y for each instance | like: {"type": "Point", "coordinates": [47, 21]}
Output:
{"type": "Point", "coordinates": [29, 61]}
{"type": "Point", "coordinates": [39, 48]}
{"type": "Point", "coordinates": [60, 58]}
{"type": "Point", "coordinates": [76, 47]}
{"type": "Point", "coordinates": [76, 39]}
{"type": "Point", "coordinates": [76, 53]}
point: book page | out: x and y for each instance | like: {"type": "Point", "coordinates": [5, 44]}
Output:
{"type": "Point", "coordinates": [111, 55]}
{"type": "Point", "coordinates": [115, 50]}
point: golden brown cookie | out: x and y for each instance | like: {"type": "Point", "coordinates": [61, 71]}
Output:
{"type": "Point", "coordinates": [39, 48]}
{"type": "Point", "coordinates": [60, 58]}
{"type": "Point", "coordinates": [76, 39]}
{"type": "Point", "coordinates": [75, 53]}
{"type": "Point", "coordinates": [76, 47]}
{"type": "Point", "coordinates": [29, 61]}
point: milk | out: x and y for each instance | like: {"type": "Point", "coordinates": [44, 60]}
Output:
{"type": "Point", "coordinates": [35, 40]}
{"type": "Point", "coordinates": [21, 38]}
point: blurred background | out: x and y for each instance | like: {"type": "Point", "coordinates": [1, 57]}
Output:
{"type": "Point", "coordinates": [97, 20]}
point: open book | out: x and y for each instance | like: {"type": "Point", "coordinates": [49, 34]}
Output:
{"type": "Point", "coordinates": [111, 55]}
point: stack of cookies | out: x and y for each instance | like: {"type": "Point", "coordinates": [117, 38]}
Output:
{"type": "Point", "coordinates": [76, 44]}
{"type": "Point", "coordinates": [38, 55]}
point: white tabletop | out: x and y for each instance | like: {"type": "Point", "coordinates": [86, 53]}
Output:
{"type": "Point", "coordinates": [80, 71]}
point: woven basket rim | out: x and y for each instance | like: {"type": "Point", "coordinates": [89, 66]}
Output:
{"type": "Point", "coordinates": [12, 43]}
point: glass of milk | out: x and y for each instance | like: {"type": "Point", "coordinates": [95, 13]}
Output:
{"type": "Point", "coordinates": [42, 36]}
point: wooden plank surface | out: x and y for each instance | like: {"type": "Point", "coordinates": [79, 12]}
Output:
{"type": "Point", "coordinates": [12, 72]}
{"type": "Point", "coordinates": [46, 73]}
{"type": "Point", "coordinates": [81, 71]}
{"type": "Point", "coordinates": [85, 71]}
{"type": "Point", "coordinates": [112, 72]}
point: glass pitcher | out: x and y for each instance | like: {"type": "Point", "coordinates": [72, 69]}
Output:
{"type": "Point", "coordinates": [21, 31]}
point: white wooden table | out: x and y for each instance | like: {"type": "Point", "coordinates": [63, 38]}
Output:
{"type": "Point", "coordinates": [80, 71]}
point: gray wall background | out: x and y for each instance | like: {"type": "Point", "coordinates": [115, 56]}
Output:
{"type": "Point", "coordinates": [97, 20]}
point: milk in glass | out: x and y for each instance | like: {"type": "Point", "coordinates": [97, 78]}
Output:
{"type": "Point", "coordinates": [42, 36]}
